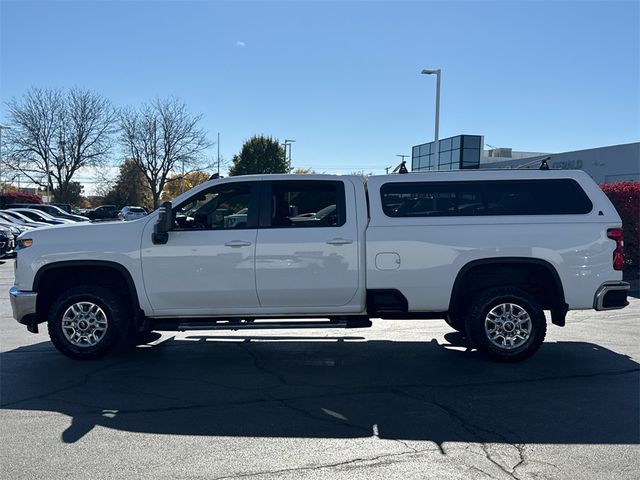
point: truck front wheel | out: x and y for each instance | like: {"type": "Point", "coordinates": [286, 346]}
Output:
{"type": "Point", "coordinates": [87, 322]}
{"type": "Point", "coordinates": [507, 324]}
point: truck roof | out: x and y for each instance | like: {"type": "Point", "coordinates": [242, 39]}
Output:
{"type": "Point", "coordinates": [470, 175]}
{"type": "Point", "coordinates": [465, 175]}
{"type": "Point", "coordinates": [375, 181]}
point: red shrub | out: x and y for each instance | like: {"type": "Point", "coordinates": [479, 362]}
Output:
{"type": "Point", "coordinates": [10, 198]}
{"type": "Point", "coordinates": [17, 197]}
{"type": "Point", "coordinates": [625, 196]}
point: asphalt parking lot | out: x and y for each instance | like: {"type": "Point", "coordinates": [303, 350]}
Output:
{"type": "Point", "coordinates": [399, 400]}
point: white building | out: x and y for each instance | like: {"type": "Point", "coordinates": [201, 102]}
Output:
{"type": "Point", "coordinates": [605, 164]}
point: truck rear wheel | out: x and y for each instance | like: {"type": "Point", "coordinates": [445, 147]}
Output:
{"type": "Point", "coordinates": [87, 322]}
{"type": "Point", "coordinates": [507, 324]}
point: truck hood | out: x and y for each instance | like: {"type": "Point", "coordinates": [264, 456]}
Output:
{"type": "Point", "coordinates": [85, 240]}
{"type": "Point", "coordinates": [85, 243]}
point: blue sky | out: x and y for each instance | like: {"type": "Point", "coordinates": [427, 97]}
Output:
{"type": "Point", "coordinates": [342, 78]}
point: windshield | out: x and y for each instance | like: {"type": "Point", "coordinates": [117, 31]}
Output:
{"type": "Point", "coordinates": [9, 218]}
{"type": "Point", "coordinates": [53, 210]}
{"type": "Point", "coordinates": [18, 216]}
{"type": "Point", "coordinates": [37, 214]}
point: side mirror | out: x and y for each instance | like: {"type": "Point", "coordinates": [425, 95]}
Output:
{"type": "Point", "coordinates": [161, 229]}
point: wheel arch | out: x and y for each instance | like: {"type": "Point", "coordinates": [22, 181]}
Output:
{"type": "Point", "coordinates": [503, 271]}
{"type": "Point", "coordinates": [54, 277]}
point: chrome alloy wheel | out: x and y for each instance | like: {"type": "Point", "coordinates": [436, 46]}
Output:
{"type": "Point", "coordinates": [84, 324]}
{"type": "Point", "coordinates": [507, 326]}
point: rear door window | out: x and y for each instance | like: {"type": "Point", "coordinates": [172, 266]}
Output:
{"type": "Point", "coordinates": [304, 204]}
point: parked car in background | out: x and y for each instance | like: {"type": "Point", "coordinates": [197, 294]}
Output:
{"type": "Point", "coordinates": [131, 213]}
{"type": "Point", "coordinates": [236, 220]}
{"type": "Point", "coordinates": [9, 220]}
{"type": "Point", "coordinates": [6, 241]}
{"type": "Point", "coordinates": [103, 212]}
{"type": "Point", "coordinates": [39, 216]}
{"type": "Point", "coordinates": [63, 206]}
{"type": "Point", "coordinates": [323, 216]}
{"type": "Point", "coordinates": [57, 212]}
{"type": "Point", "coordinates": [17, 217]}
{"type": "Point", "coordinates": [16, 229]}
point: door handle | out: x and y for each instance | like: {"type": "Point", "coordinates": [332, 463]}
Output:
{"type": "Point", "coordinates": [339, 241]}
{"type": "Point", "coordinates": [237, 243]}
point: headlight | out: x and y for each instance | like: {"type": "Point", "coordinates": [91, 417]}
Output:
{"type": "Point", "coordinates": [24, 243]}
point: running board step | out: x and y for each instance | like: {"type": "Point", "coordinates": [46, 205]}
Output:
{"type": "Point", "coordinates": [257, 324]}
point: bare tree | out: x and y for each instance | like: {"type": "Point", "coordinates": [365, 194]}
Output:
{"type": "Point", "coordinates": [54, 133]}
{"type": "Point", "coordinates": [163, 137]}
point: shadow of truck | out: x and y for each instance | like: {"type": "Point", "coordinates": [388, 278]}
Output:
{"type": "Point", "coordinates": [254, 386]}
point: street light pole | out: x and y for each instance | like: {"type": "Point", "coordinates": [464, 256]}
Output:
{"type": "Point", "coordinates": [288, 142]}
{"type": "Point", "coordinates": [437, 73]}
{"type": "Point", "coordinates": [182, 181]}
{"type": "Point", "coordinates": [285, 144]}
{"type": "Point", "coordinates": [218, 154]}
{"type": "Point", "coordinates": [48, 183]}
{"type": "Point", "coordinates": [2, 127]}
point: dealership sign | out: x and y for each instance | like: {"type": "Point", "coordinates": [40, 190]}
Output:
{"type": "Point", "coordinates": [568, 165]}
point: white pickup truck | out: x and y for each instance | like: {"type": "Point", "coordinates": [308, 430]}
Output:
{"type": "Point", "coordinates": [488, 251]}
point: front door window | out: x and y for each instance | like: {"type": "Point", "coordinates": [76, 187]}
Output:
{"type": "Point", "coordinates": [221, 208]}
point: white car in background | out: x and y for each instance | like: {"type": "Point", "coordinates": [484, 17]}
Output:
{"type": "Point", "coordinates": [38, 216]}
{"type": "Point", "coordinates": [16, 219]}
{"type": "Point", "coordinates": [131, 213]}
{"type": "Point", "coordinates": [236, 220]}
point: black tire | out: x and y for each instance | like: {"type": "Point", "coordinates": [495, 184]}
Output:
{"type": "Point", "coordinates": [114, 310]}
{"type": "Point", "coordinates": [506, 323]}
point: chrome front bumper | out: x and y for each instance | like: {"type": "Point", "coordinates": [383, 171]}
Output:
{"type": "Point", "coordinates": [611, 296]}
{"type": "Point", "coordinates": [23, 305]}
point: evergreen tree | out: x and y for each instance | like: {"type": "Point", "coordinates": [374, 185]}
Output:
{"type": "Point", "coordinates": [130, 187]}
{"type": "Point", "coordinates": [260, 154]}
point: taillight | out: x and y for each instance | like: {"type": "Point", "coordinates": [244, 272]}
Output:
{"type": "Point", "coordinates": [618, 254]}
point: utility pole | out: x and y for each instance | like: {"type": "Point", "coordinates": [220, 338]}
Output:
{"type": "Point", "coordinates": [2, 127]}
{"type": "Point", "coordinates": [218, 154]}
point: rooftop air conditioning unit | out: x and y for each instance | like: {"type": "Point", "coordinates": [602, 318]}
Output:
{"type": "Point", "coordinates": [500, 152]}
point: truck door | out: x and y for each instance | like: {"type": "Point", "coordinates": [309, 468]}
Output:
{"type": "Point", "coordinates": [307, 245]}
{"type": "Point", "coordinates": [207, 265]}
